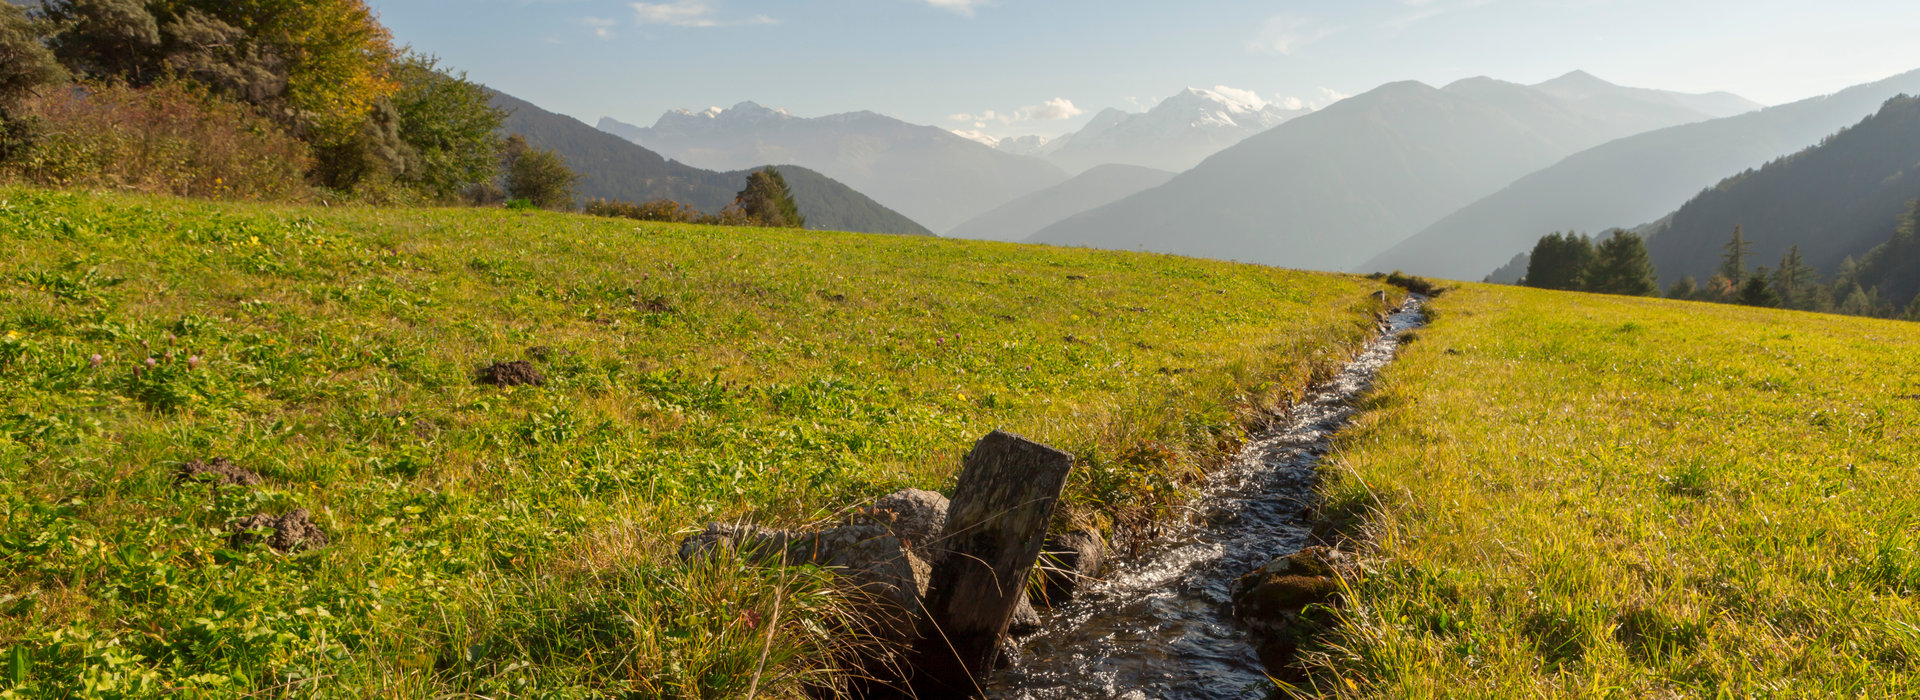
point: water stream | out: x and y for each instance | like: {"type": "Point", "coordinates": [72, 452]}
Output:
{"type": "Point", "coordinates": [1159, 626]}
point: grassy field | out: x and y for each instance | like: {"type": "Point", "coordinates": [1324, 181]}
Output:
{"type": "Point", "coordinates": [517, 542]}
{"type": "Point", "coordinates": [1589, 496]}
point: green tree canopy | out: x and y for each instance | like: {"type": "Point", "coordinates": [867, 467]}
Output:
{"type": "Point", "coordinates": [1560, 261]}
{"type": "Point", "coordinates": [449, 123]}
{"type": "Point", "coordinates": [767, 202]}
{"type": "Point", "coordinates": [1621, 266]}
{"type": "Point", "coordinates": [25, 63]}
{"type": "Point", "coordinates": [537, 175]}
{"type": "Point", "coordinates": [1733, 262]}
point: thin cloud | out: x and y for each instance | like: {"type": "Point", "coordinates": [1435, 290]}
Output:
{"type": "Point", "coordinates": [964, 8]}
{"type": "Point", "coordinates": [689, 13]}
{"type": "Point", "coordinates": [1284, 34]}
{"type": "Point", "coordinates": [1052, 110]}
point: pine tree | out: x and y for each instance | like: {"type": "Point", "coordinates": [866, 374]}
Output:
{"type": "Point", "coordinates": [1795, 280]}
{"type": "Point", "coordinates": [1560, 261]}
{"type": "Point", "coordinates": [1622, 266]}
{"type": "Point", "coordinates": [767, 202]}
{"type": "Point", "coordinates": [1686, 288]}
{"type": "Point", "coordinates": [1756, 292]}
{"type": "Point", "coordinates": [1733, 263]}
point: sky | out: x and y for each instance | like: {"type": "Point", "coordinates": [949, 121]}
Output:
{"type": "Point", "coordinates": [1018, 67]}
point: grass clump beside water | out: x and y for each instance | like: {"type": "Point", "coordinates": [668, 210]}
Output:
{"type": "Point", "coordinates": [1588, 496]}
{"type": "Point", "coordinates": [517, 541]}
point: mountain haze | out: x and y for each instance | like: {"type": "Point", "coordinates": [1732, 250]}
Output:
{"type": "Point", "coordinates": [1175, 135]}
{"type": "Point", "coordinates": [612, 168]}
{"type": "Point", "coordinates": [1834, 201]}
{"type": "Point", "coordinates": [929, 174]}
{"type": "Point", "coordinates": [1625, 182]}
{"type": "Point", "coordinates": [1329, 189]}
{"type": "Point", "coordinates": [1023, 217]}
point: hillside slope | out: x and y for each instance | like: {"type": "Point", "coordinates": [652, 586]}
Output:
{"type": "Point", "coordinates": [483, 538]}
{"type": "Point", "coordinates": [1836, 200]}
{"type": "Point", "coordinates": [612, 168]}
{"type": "Point", "coordinates": [1329, 189]}
{"type": "Point", "coordinates": [929, 174]}
{"type": "Point", "coordinates": [1566, 492]}
{"type": "Point", "coordinates": [1627, 182]}
{"type": "Point", "coordinates": [1021, 218]}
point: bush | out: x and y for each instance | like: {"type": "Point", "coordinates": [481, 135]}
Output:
{"type": "Point", "coordinates": [657, 210]}
{"type": "Point", "coordinates": [538, 175]}
{"type": "Point", "coordinates": [172, 138]}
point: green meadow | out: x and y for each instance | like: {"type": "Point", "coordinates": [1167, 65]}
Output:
{"type": "Point", "coordinates": [518, 541]}
{"type": "Point", "coordinates": [1570, 495]}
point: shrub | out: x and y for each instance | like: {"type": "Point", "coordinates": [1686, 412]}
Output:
{"type": "Point", "coordinates": [657, 210]}
{"type": "Point", "coordinates": [538, 175]}
{"type": "Point", "coordinates": [172, 138]}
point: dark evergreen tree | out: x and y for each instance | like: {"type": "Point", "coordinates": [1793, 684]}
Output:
{"type": "Point", "coordinates": [538, 176]}
{"type": "Point", "coordinates": [25, 63]}
{"type": "Point", "coordinates": [1733, 262]}
{"type": "Point", "coordinates": [1686, 288]}
{"type": "Point", "coordinates": [766, 201]}
{"type": "Point", "coordinates": [1757, 292]}
{"type": "Point", "coordinates": [1796, 281]}
{"type": "Point", "coordinates": [1560, 261]}
{"type": "Point", "coordinates": [105, 38]}
{"type": "Point", "coordinates": [1621, 266]}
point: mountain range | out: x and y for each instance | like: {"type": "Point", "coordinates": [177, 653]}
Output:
{"type": "Point", "coordinates": [612, 168]}
{"type": "Point", "coordinates": [1174, 135]}
{"type": "Point", "coordinates": [1021, 218]}
{"type": "Point", "coordinates": [929, 174]}
{"type": "Point", "coordinates": [1330, 189]}
{"type": "Point", "coordinates": [1833, 201]}
{"type": "Point", "coordinates": [1626, 182]}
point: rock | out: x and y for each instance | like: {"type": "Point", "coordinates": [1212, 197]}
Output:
{"type": "Point", "coordinates": [1286, 603]}
{"type": "Point", "coordinates": [1026, 620]}
{"type": "Point", "coordinates": [756, 543]}
{"type": "Point", "coordinates": [513, 373]}
{"type": "Point", "coordinates": [915, 516]}
{"type": "Point", "coordinates": [293, 532]}
{"type": "Point", "coordinates": [1069, 561]}
{"type": "Point", "coordinates": [215, 471]}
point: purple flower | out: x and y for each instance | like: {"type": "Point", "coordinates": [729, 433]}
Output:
{"type": "Point", "coordinates": [96, 359]}
{"type": "Point", "coordinates": [151, 363]}
{"type": "Point", "coordinates": [193, 362]}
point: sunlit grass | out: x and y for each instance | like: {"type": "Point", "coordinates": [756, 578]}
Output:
{"type": "Point", "coordinates": [1592, 496]}
{"type": "Point", "coordinates": [518, 541]}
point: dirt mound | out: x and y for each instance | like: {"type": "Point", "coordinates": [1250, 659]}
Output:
{"type": "Point", "coordinates": [513, 373]}
{"type": "Point", "coordinates": [215, 471]}
{"type": "Point", "coordinates": [293, 532]}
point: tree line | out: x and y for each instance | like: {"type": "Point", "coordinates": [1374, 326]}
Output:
{"type": "Point", "coordinates": [766, 201]}
{"type": "Point", "coordinates": [1884, 283]}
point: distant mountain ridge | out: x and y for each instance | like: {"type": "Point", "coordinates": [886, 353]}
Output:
{"type": "Point", "coordinates": [613, 168]}
{"type": "Point", "coordinates": [1329, 189]}
{"type": "Point", "coordinates": [1836, 200]}
{"type": "Point", "coordinates": [1625, 182]}
{"type": "Point", "coordinates": [1174, 135]}
{"type": "Point", "coordinates": [1021, 218]}
{"type": "Point", "coordinates": [932, 175]}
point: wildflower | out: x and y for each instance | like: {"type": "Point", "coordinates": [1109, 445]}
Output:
{"type": "Point", "coordinates": [96, 360]}
{"type": "Point", "coordinates": [193, 362]}
{"type": "Point", "coordinates": [151, 363]}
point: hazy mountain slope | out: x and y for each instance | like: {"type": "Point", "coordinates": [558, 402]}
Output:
{"type": "Point", "coordinates": [612, 168]}
{"type": "Point", "coordinates": [929, 174]}
{"type": "Point", "coordinates": [1625, 182]}
{"type": "Point", "coordinates": [1603, 98]}
{"type": "Point", "coordinates": [1835, 200]}
{"type": "Point", "coordinates": [1175, 135]}
{"type": "Point", "coordinates": [1023, 217]}
{"type": "Point", "coordinates": [1326, 190]}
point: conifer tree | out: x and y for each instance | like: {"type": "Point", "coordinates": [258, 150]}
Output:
{"type": "Point", "coordinates": [1795, 280]}
{"type": "Point", "coordinates": [767, 202]}
{"type": "Point", "coordinates": [1686, 288]}
{"type": "Point", "coordinates": [1560, 261]}
{"type": "Point", "coordinates": [1733, 263]}
{"type": "Point", "coordinates": [1622, 266]}
{"type": "Point", "coordinates": [1756, 292]}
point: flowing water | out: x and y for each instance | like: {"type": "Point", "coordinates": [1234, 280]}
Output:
{"type": "Point", "coordinates": [1160, 625]}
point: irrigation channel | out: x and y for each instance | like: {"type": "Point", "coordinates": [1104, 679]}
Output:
{"type": "Point", "coordinates": [1160, 626]}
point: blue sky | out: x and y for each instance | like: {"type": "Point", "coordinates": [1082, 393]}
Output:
{"type": "Point", "coordinates": [1045, 66]}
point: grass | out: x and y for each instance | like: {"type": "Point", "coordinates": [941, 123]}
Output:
{"type": "Point", "coordinates": [1573, 495]}
{"type": "Point", "coordinates": [517, 542]}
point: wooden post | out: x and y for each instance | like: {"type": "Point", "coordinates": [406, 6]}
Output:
{"type": "Point", "coordinates": [996, 523]}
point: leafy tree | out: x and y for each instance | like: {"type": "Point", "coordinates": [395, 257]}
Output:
{"type": "Point", "coordinates": [766, 201]}
{"type": "Point", "coordinates": [449, 123]}
{"type": "Point", "coordinates": [538, 176]}
{"type": "Point", "coordinates": [1622, 266]}
{"type": "Point", "coordinates": [105, 38]}
{"type": "Point", "coordinates": [1560, 261]}
{"type": "Point", "coordinates": [25, 63]}
{"type": "Point", "coordinates": [219, 54]}
{"type": "Point", "coordinates": [1756, 292]}
{"type": "Point", "coordinates": [1733, 262]}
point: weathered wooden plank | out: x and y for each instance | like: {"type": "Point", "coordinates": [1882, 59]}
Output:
{"type": "Point", "coordinates": [996, 524]}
